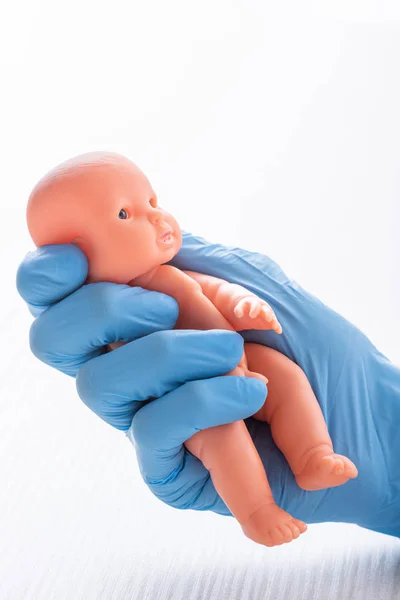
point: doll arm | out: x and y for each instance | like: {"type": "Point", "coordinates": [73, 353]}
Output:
{"type": "Point", "coordinates": [240, 307]}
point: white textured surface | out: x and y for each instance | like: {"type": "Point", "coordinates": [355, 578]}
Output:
{"type": "Point", "coordinates": [280, 120]}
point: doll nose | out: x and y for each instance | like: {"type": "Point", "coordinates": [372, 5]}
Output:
{"type": "Point", "coordinates": [155, 216]}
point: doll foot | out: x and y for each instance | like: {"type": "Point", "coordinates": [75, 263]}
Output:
{"type": "Point", "coordinates": [324, 469]}
{"type": "Point", "coordinates": [272, 526]}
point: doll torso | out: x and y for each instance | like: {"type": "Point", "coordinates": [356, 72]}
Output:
{"type": "Point", "coordinates": [196, 311]}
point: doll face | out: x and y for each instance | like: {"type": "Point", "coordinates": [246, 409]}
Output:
{"type": "Point", "coordinates": [128, 233]}
{"type": "Point", "coordinates": [110, 210]}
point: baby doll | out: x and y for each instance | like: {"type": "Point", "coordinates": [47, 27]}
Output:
{"type": "Point", "coordinates": [105, 205]}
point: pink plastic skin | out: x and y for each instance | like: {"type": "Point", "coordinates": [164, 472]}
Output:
{"type": "Point", "coordinates": [103, 203]}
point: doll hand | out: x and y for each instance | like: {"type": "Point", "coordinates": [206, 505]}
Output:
{"type": "Point", "coordinates": [256, 314]}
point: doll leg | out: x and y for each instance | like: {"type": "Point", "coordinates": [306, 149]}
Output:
{"type": "Point", "coordinates": [229, 454]}
{"type": "Point", "coordinates": [297, 423]}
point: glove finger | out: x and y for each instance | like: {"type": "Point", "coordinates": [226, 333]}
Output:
{"type": "Point", "coordinates": [77, 329]}
{"type": "Point", "coordinates": [49, 274]}
{"type": "Point", "coordinates": [161, 427]}
{"type": "Point", "coordinates": [114, 385]}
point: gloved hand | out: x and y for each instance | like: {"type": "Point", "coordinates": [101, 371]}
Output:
{"type": "Point", "coordinates": [358, 388]}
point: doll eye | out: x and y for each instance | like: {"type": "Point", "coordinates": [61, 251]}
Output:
{"type": "Point", "coordinates": [153, 202]}
{"type": "Point", "coordinates": [122, 214]}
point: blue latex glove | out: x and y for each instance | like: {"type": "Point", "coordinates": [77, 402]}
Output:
{"type": "Point", "coordinates": [357, 387]}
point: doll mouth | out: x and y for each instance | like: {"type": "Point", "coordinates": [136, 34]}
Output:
{"type": "Point", "coordinates": [166, 237]}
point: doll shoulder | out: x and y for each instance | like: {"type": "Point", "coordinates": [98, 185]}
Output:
{"type": "Point", "coordinates": [170, 280]}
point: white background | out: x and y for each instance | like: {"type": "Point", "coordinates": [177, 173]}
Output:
{"type": "Point", "coordinates": [269, 125]}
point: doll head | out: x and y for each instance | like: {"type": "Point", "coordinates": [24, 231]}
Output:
{"type": "Point", "coordinates": [105, 205]}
